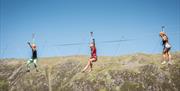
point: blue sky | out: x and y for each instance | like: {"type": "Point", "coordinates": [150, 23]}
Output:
{"type": "Point", "coordinates": [70, 21]}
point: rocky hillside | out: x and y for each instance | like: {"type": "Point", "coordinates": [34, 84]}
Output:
{"type": "Point", "coordinates": [138, 72]}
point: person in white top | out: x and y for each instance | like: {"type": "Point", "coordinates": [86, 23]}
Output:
{"type": "Point", "coordinates": [166, 48]}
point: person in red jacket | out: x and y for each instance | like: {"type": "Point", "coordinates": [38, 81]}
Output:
{"type": "Point", "coordinates": [93, 57]}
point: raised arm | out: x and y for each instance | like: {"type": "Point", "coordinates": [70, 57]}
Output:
{"type": "Point", "coordinates": [91, 37]}
{"type": "Point", "coordinates": [91, 34]}
{"type": "Point", "coordinates": [29, 44]}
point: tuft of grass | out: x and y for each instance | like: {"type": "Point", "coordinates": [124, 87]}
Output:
{"type": "Point", "coordinates": [4, 85]}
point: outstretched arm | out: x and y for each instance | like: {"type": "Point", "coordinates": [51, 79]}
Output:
{"type": "Point", "coordinates": [91, 37]}
{"type": "Point", "coordinates": [29, 44]}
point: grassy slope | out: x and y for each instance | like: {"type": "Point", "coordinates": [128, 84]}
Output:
{"type": "Point", "coordinates": [138, 72]}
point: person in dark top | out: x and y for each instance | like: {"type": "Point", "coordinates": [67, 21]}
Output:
{"type": "Point", "coordinates": [166, 48]}
{"type": "Point", "coordinates": [93, 57]}
{"type": "Point", "coordinates": [33, 58]}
